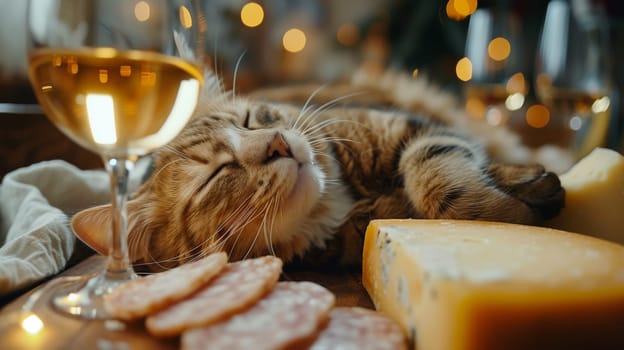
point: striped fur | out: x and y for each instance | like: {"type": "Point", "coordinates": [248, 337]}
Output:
{"type": "Point", "coordinates": [299, 172]}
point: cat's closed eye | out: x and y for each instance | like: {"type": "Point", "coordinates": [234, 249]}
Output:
{"type": "Point", "coordinates": [219, 170]}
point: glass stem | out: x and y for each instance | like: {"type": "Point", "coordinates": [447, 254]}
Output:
{"type": "Point", "coordinates": [118, 266]}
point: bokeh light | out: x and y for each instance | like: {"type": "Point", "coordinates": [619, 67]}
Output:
{"type": "Point", "coordinates": [460, 9]}
{"type": "Point", "coordinates": [252, 14]}
{"type": "Point", "coordinates": [537, 116]}
{"type": "Point", "coordinates": [499, 49]}
{"type": "Point", "coordinates": [601, 105]}
{"type": "Point", "coordinates": [294, 40]}
{"type": "Point", "coordinates": [142, 11]}
{"type": "Point", "coordinates": [514, 101]}
{"type": "Point", "coordinates": [516, 84]}
{"type": "Point", "coordinates": [32, 324]}
{"type": "Point", "coordinates": [463, 69]}
{"type": "Point", "coordinates": [348, 34]}
{"type": "Point", "coordinates": [475, 108]}
{"type": "Point", "coordinates": [185, 17]}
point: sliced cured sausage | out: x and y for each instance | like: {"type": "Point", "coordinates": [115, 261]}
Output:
{"type": "Point", "coordinates": [355, 328]}
{"type": "Point", "coordinates": [291, 313]}
{"type": "Point", "coordinates": [146, 295]}
{"type": "Point", "coordinates": [238, 287]}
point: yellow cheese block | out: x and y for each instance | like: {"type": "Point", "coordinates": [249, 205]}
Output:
{"type": "Point", "coordinates": [480, 285]}
{"type": "Point", "coordinates": [594, 203]}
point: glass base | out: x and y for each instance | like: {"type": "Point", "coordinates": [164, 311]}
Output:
{"type": "Point", "coordinates": [85, 298]}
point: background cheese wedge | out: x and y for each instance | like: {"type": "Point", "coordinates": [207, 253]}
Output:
{"type": "Point", "coordinates": [479, 285]}
{"type": "Point", "coordinates": [594, 203]}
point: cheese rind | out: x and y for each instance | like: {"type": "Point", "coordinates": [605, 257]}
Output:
{"type": "Point", "coordinates": [594, 203]}
{"type": "Point", "coordinates": [477, 285]}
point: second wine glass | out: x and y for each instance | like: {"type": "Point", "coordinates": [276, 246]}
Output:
{"type": "Point", "coordinates": [494, 50]}
{"type": "Point", "coordinates": [119, 78]}
{"type": "Point", "coordinates": [572, 73]}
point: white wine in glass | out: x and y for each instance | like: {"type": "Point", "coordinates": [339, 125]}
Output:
{"type": "Point", "coordinates": [494, 49]}
{"type": "Point", "coordinates": [120, 78]}
{"type": "Point", "coordinates": [572, 72]}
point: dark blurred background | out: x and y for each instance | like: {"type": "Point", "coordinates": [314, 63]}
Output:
{"type": "Point", "coordinates": [288, 41]}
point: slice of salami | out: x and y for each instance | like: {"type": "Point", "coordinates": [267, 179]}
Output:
{"type": "Point", "coordinates": [239, 286]}
{"type": "Point", "coordinates": [291, 313]}
{"type": "Point", "coordinates": [355, 328]}
{"type": "Point", "coordinates": [146, 295]}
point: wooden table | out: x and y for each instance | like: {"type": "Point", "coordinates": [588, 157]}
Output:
{"type": "Point", "coordinates": [66, 332]}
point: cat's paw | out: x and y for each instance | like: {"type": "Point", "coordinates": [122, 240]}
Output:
{"type": "Point", "coordinates": [532, 184]}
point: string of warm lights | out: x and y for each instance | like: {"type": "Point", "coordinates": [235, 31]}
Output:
{"type": "Point", "coordinates": [512, 94]}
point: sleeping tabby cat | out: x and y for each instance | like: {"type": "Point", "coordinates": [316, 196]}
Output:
{"type": "Point", "coordinates": [272, 173]}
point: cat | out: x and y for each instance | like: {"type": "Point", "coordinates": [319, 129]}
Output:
{"type": "Point", "coordinates": [299, 171]}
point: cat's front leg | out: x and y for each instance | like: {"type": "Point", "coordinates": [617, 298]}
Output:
{"type": "Point", "coordinates": [448, 176]}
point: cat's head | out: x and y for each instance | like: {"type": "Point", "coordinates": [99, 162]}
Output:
{"type": "Point", "coordinates": [244, 176]}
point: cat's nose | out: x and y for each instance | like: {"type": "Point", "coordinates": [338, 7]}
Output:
{"type": "Point", "coordinates": [278, 147]}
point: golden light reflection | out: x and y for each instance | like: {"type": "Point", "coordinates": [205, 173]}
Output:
{"type": "Point", "coordinates": [32, 324]}
{"type": "Point", "coordinates": [415, 72]}
{"type": "Point", "coordinates": [103, 75]}
{"type": "Point", "coordinates": [537, 116]}
{"type": "Point", "coordinates": [475, 108]}
{"type": "Point", "coordinates": [72, 65]}
{"type": "Point", "coordinates": [601, 105]}
{"type": "Point", "coordinates": [185, 17]}
{"type": "Point", "coordinates": [148, 78]}
{"type": "Point", "coordinates": [499, 49]}
{"type": "Point", "coordinates": [142, 11]}
{"type": "Point", "coordinates": [460, 9]}
{"type": "Point", "coordinates": [125, 71]}
{"type": "Point", "coordinates": [348, 34]}
{"type": "Point", "coordinates": [252, 14]}
{"type": "Point", "coordinates": [514, 101]}
{"type": "Point", "coordinates": [516, 84]}
{"type": "Point", "coordinates": [463, 69]}
{"type": "Point", "coordinates": [294, 40]}
{"type": "Point", "coordinates": [101, 115]}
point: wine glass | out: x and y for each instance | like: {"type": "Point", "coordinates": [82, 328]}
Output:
{"type": "Point", "coordinates": [572, 73]}
{"type": "Point", "coordinates": [496, 84]}
{"type": "Point", "coordinates": [120, 78]}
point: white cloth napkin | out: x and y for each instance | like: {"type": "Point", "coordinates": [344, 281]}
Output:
{"type": "Point", "coordinates": [36, 203]}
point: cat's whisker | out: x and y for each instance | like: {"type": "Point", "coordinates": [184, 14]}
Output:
{"type": "Point", "coordinates": [243, 213]}
{"type": "Point", "coordinates": [325, 106]}
{"type": "Point", "coordinates": [236, 67]}
{"type": "Point", "coordinates": [330, 139]}
{"type": "Point", "coordinates": [317, 155]}
{"type": "Point", "coordinates": [307, 105]}
{"type": "Point", "coordinates": [270, 234]}
{"type": "Point", "coordinates": [264, 220]}
{"type": "Point", "coordinates": [156, 174]}
{"type": "Point", "coordinates": [253, 242]}
{"type": "Point", "coordinates": [316, 128]}
{"type": "Point", "coordinates": [202, 249]}
{"type": "Point", "coordinates": [255, 215]}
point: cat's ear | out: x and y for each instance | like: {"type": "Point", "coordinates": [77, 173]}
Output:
{"type": "Point", "coordinates": [93, 225]}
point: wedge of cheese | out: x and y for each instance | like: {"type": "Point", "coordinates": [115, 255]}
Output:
{"type": "Point", "coordinates": [479, 285]}
{"type": "Point", "coordinates": [594, 203]}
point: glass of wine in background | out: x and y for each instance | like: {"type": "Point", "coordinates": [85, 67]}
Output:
{"type": "Point", "coordinates": [496, 85]}
{"type": "Point", "coordinates": [572, 73]}
{"type": "Point", "coordinates": [120, 78]}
